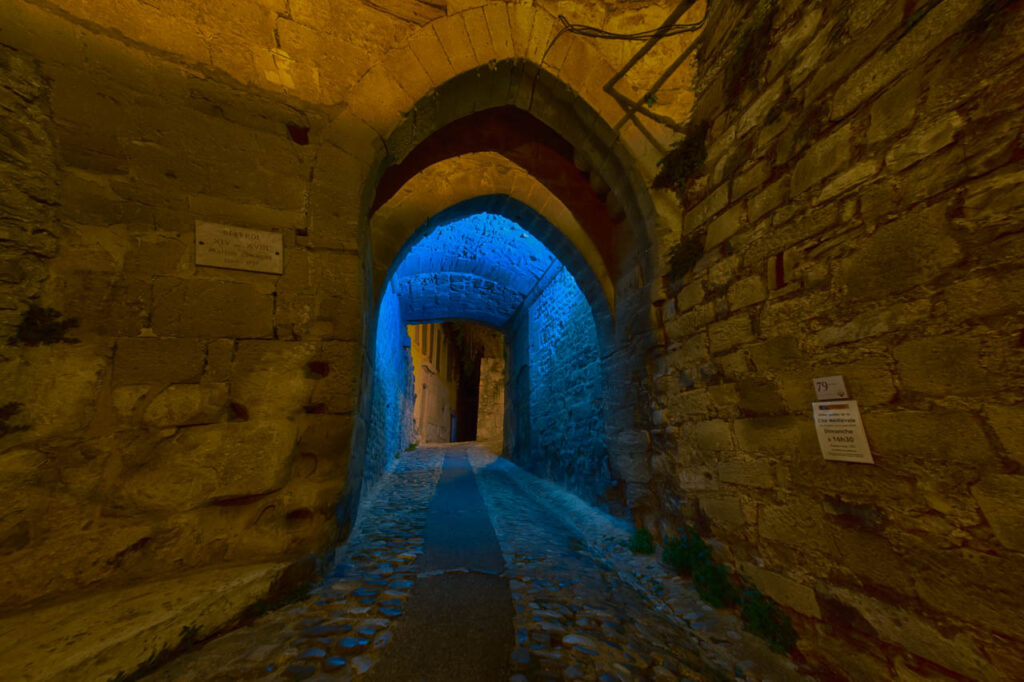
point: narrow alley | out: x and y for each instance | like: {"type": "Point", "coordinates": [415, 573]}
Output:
{"type": "Point", "coordinates": [464, 567]}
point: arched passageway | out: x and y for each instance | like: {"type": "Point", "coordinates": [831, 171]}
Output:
{"type": "Point", "coordinates": [469, 264]}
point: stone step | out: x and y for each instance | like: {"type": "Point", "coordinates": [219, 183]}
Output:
{"type": "Point", "coordinates": [113, 632]}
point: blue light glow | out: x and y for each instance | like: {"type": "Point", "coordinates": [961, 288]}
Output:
{"type": "Point", "coordinates": [487, 268]}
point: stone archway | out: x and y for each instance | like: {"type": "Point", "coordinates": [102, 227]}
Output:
{"type": "Point", "coordinates": [496, 261]}
{"type": "Point", "coordinates": [442, 76]}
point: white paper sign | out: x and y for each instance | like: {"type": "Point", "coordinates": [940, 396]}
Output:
{"type": "Point", "coordinates": [238, 248]}
{"type": "Point", "coordinates": [830, 388]}
{"type": "Point", "coordinates": [841, 432]}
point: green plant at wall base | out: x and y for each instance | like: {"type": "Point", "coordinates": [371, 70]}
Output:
{"type": "Point", "coordinates": [412, 446]}
{"type": "Point", "coordinates": [712, 583]}
{"type": "Point", "coordinates": [687, 552]}
{"type": "Point", "coordinates": [763, 617]}
{"type": "Point", "coordinates": [690, 556]}
{"type": "Point", "coordinates": [684, 160]}
{"type": "Point", "coordinates": [642, 542]}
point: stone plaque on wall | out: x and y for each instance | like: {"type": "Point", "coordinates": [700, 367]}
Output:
{"type": "Point", "coordinates": [841, 432]}
{"type": "Point", "coordinates": [238, 248]}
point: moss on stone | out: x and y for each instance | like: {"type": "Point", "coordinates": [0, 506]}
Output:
{"type": "Point", "coordinates": [685, 160]}
{"type": "Point", "coordinates": [744, 66]}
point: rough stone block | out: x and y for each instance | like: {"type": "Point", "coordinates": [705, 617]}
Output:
{"type": "Point", "coordinates": [822, 160]}
{"type": "Point", "coordinates": [767, 200]}
{"type": "Point", "coordinates": [901, 255]}
{"type": "Point", "coordinates": [784, 590]}
{"type": "Point", "coordinates": [270, 379]}
{"type": "Point", "coordinates": [498, 27]}
{"type": "Point", "coordinates": [152, 361]}
{"type": "Point", "coordinates": [726, 225]}
{"type": "Point", "coordinates": [188, 404]}
{"type": "Point", "coordinates": [894, 110]}
{"type": "Point", "coordinates": [455, 39]}
{"type": "Point", "coordinates": [1008, 423]}
{"type": "Point", "coordinates": [205, 463]}
{"type": "Point", "coordinates": [338, 390]}
{"type": "Point", "coordinates": [910, 435]}
{"type": "Point", "coordinates": [944, 365]}
{"type": "Point", "coordinates": [750, 180]}
{"type": "Point", "coordinates": [712, 435]}
{"type": "Point", "coordinates": [848, 179]}
{"type": "Point", "coordinates": [211, 308]}
{"type": "Point", "coordinates": [479, 35]}
{"type": "Point", "coordinates": [730, 333]}
{"type": "Point", "coordinates": [747, 291]}
{"type": "Point", "coordinates": [886, 65]}
{"type": "Point", "coordinates": [726, 512]}
{"type": "Point", "coordinates": [1002, 501]}
{"type": "Point", "coordinates": [753, 474]}
{"type": "Point", "coordinates": [924, 141]}
{"type": "Point", "coordinates": [957, 651]}
{"type": "Point", "coordinates": [797, 523]}
{"type": "Point", "coordinates": [788, 436]}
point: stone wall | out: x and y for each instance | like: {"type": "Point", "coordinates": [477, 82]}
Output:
{"type": "Point", "coordinates": [247, 393]}
{"type": "Point", "coordinates": [391, 427]}
{"type": "Point", "coordinates": [558, 389]}
{"type": "Point", "coordinates": [436, 382]}
{"type": "Point", "coordinates": [178, 423]}
{"type": "Point", "coordinates": [858, 214]}
{"type": "Point", "coordinates": [491, 416]}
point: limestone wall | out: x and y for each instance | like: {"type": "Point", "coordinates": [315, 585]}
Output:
{"type": "Point", "coordinates": [206, 415]}
{"type": "Point", "coordinates": [558, 390]}
{"type": "Point", "coordinates": [391, 427]}
{"type": "Point", "coordinates": [491, 415]}
{"type": "Point", "coordinates": [190, 415]}
{"type": "Point", "coordinates": [858, 214]}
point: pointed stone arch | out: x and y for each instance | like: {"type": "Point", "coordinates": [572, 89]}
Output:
{"type": "Point", "coordinates": [445, 73]}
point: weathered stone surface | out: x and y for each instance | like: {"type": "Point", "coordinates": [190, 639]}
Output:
{"type": "Point", "coordinates": [823, 159]}
{"type": "Point", "coordinates": [747, 473]}
{"type": "Point", "coordinates": [205, 463]}
{"type": "Point", "coordinates": [784, 590]}
{"type": "Point", "coordinates": [796, 523]}
{"type": "Point", "coordinates": [1008, 422]}
{"type": "Point", "coordinates": [924, 141]}
{"type": "Point", "coordinates": [894, 110]}
{"type": "Point", "coordinates": [941, 365]}
{"type": "Point", "coordinates": [927, 437]}
{"type": "Point", "coordinates": [110, 633]}
{"type": "Point", "coordinates": [149, 360]}
{"type": "Point", "coordinates": [270, 377]}
{"type": "Point", "coordinates": [902, 254]}
{"type": "Point", "coordinates": [725, 225]}
{"type": "Point", "coordinates": [1002, 501]}
{"type": "Point", "coordinates": [730, 333]}
{"type": "Point", "coordinates": [724, 511]}
{"type": "Point", "coordinates": [956, 652]}
{"type": "Point", "coordinates": [54, 391]}
{"type": "Point", "coordinates": [188, 404]}
{"type": "Point", "coordinates": [211, 309]}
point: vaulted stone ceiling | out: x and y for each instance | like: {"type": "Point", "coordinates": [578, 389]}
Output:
{"type": "Point", "coordinates": [480, 268]}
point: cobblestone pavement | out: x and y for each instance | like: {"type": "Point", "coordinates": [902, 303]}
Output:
{"type": "Point", "coordinates": [585, 607]}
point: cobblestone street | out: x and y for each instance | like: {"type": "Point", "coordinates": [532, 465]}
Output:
{"type": "Point", "coordinates": [417, 593]}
